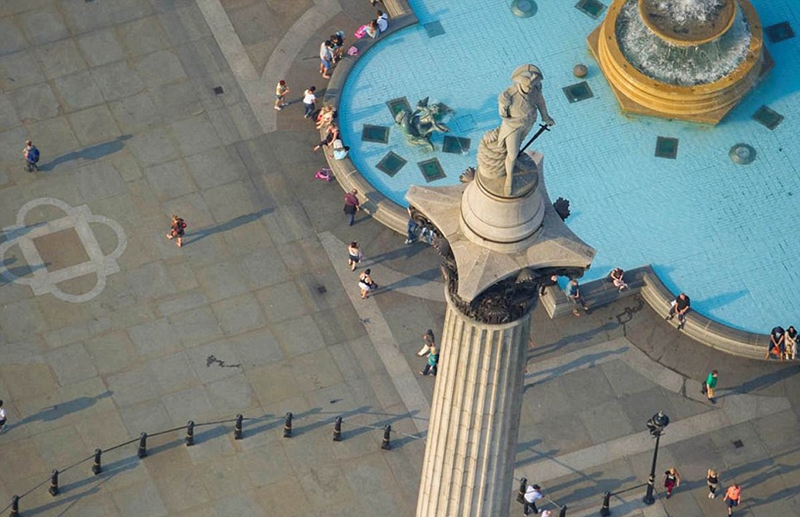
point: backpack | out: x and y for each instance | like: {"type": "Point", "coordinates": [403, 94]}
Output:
{"type": "Point", "coordinates": [33, 155]}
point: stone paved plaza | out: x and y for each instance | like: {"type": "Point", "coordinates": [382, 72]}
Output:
{"type": "Point", "coordinates": [107, 329]}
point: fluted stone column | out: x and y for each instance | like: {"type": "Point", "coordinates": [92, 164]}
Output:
{"type": "Point", "coordinates": [472, 435]}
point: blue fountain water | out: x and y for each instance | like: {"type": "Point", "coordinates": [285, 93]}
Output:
{"type": "Point", "coordinates": [724, 233]}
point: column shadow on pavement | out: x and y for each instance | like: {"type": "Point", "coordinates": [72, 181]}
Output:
{"type": "Point", "coordinates": [88, 153]}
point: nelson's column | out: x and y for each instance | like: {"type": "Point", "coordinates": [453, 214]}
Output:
{"type": "Point", "coordinates": [499, 235]}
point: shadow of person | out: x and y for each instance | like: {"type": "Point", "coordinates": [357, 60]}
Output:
{"type": "Point", "coordinates": [57, 411]}
{"type": "Point", "coordinates": [88, 153]}
{"type": "Point", "coordinates": [202, 233]}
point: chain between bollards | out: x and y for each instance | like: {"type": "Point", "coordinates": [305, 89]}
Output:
{"type": "Point", "coordinates": [387, 438]}
{"type": "Point", "coordinates": [142, 452]}
{"type": "Point", "coordinates": [189, 440]}
{"type": "Point", "coordinates": [237, 427]}
{"type": "Point", "coordinates": [14, 507]}
{"type": "Point", "coordinates": [53, 483]}
{"type": "Point", "coordinates": [287, 425]}
{"type": "Point", "coordinates": [337, 429]}
{"type": "Point", "coordinates": [605, 511]}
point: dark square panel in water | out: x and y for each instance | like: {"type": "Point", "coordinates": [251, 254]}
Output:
{"type": "Point", "coordinates": [578, 92]}
{"type": "Point", "coordinates": [464, 124]}
{"type": "Point", "coordinates": [591, 8]}
{"type": "Point", "coordinates": [455, 145]}
{"type": "Point", "coordinates": [434, 29]}
{"type": "Point", "coordinates": [779, 32]}
{"type": "Point", "coordinates": [667, 147]}
{"type": "Point", "coordinates": [431, 170]}
{"type": "Point", "coordinates": [397, 105]}
{"type": "Point", "coordinates": [377, 134]}
{"type": "Point", "coordinates": [391, 163]}
{"type": "Point", "coordinates": [768, 117]}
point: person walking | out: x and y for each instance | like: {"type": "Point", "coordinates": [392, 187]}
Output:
{"type": "Point", "coordinates": [177, 230]}
{"type": "Point", "coordinates": [31, 155]}
{"type": "Point", "coordinates": [2, 417]}
{"type": "Point", "coordinates": [366, 284]}
{"type": "Point", "coordinates": [354, 255]}
{"type": "Point", "coordinates": [733, 497]}
{"type": "Point", "coordinates": [672, 480]}
{"type": "Point", "coordinates": [351, 206]}
{"type": "Point", "coordinates": [281, 91]}
{"type": "Point", "coordinates": [712, 480]}
{"type": "Point", "coordinates": [708, 386]}
{"type": "Point", "coordinates": [575, 298]}
{"type": "Point", "coordinates": [428, 342]}
{"type": "Point", "coordinates": [433, 361]}
{"type": "Point", "coordinates": [309, 101]}
{"type": "Point", "coordinates": [532, 494]}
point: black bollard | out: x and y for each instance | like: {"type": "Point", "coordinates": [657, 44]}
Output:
{"type": "Point", "coordinates": [97, 466]}
{"type": "Point", "coordinates": [387, 438]}
{"type": "Point", "coordinates": [563, 512]}
{"type": "Point", "coordinates": [337, 429]}
{"type": "Point", "coordinates": [14, 507]}
{"type": "Point", "coordinates": [53, 483]}
{"type": "Point", "coordinates": [189, 433]}
{"type": "Point", "coordinates": [142, 452]}
{"type": "Point", "coordinates": [523, 485]}
{"type": "Point", "coordinates": [287, 425]}
{"type": "Point", "coordinates": [237, 427]}
{"type": "Point", "coordinates": [605, 511]}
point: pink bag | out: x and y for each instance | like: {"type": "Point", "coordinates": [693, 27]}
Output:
{"type": "Point", "coordinates": [361, 32]}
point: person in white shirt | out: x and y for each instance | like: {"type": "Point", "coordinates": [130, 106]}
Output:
{"type": "Point", "coordinates": [309, 101]}
{"type": "Point", "coordinates": [532, 494]}
{"type": "Point", "coordinates": [383, 20]}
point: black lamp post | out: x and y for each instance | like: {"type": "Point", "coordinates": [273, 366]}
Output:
{"type": "Point", "coordinates": [656, 425]}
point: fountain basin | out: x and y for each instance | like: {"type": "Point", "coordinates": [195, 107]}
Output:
{"type": "Point", "coordinates": [706, 103]}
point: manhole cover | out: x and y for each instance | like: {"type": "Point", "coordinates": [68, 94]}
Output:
{"type": "Point", "coordinates": [738, 444]}
{"type": "Point", "coordinates": [218, 90]}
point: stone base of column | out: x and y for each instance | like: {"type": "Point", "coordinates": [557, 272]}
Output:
{"type": "Point", "coordinates": [472, 435]}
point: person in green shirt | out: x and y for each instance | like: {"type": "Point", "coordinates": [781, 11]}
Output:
{"type": "Point", "coordinates": [709, 385]}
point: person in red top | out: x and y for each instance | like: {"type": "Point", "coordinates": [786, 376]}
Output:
{"type": "Point", "coordinates": [351, 206]}
{"type": "Point", "coordinates": [732, 497]}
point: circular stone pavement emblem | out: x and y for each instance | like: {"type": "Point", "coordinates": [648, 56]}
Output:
{"type": "Point", "coordinates": [76, 219]}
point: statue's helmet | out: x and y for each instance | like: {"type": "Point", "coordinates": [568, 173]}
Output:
{"type": "Point", "coordinates": [526, 73]}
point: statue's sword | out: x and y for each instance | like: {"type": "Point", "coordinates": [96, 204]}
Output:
{"type": "Point", "coordinates": [542, 129]}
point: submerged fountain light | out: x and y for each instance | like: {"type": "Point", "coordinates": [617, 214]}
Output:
{"type": "Point", "coordinates": [680, 59]}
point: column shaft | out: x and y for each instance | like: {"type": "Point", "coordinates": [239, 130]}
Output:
{"type": "Point", "coordinates": [472, 436]}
